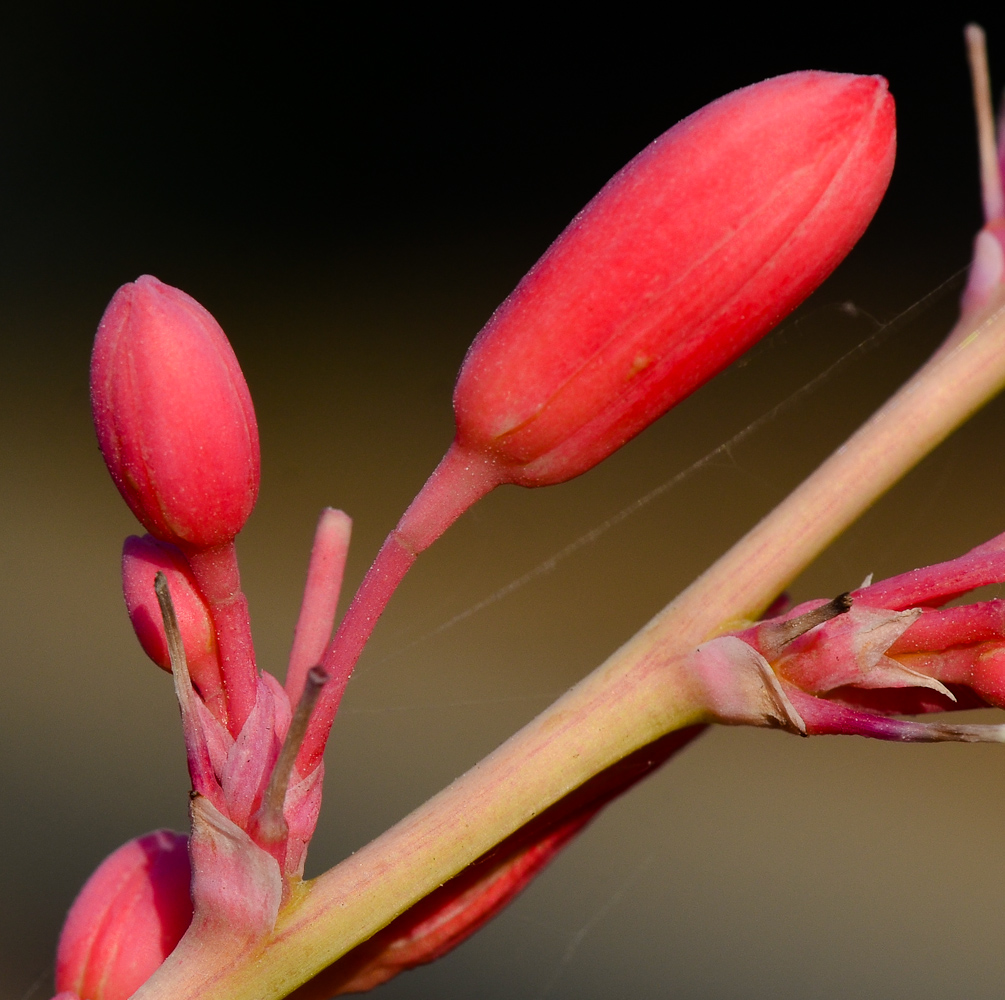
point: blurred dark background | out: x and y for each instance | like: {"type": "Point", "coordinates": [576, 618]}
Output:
{"type": "Point", "coordinates": [351, 195]}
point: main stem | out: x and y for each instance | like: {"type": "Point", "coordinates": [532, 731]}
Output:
{"type": "Point", "coordinates": [642, 692]}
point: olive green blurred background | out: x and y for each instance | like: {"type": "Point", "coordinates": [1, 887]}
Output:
{"type": "Point", "coordinates": [351, 200]}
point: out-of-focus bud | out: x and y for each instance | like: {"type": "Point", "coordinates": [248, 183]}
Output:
{"type": "Point", "coordinates": [687, 256]}
{"type": "Point", "coordinates": [174, 416]}
{"type": "Point", "coordinates": [451, 914]}
{"type": "Point", "coordinates": [142, 559]}
{"type": "Point", "coordinates": [127, 919]}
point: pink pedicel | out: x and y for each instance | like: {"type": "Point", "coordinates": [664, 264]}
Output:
{"type": "Point", "coordinates": [314, 626]}
{"type": "Point", "coordinates": [127, 919]}
{"type": "Point", "coordinates": [684, 259]}
{"type": "Point", "coordinates": [173, 416]}
{"type": "Point", "coordinates": [852, 665]}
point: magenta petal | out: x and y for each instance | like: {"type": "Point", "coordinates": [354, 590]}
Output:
{"type": "Point", "coordinates": [828, 718]}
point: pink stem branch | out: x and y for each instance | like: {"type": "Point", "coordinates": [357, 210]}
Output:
{"type": "Point", "coordinates": [461, 478]}
{"type": "Point", "coordinates": [321, 593]}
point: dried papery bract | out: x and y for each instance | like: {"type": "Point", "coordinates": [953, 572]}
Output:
{"type": "Point", "coordinates": [685, 258]}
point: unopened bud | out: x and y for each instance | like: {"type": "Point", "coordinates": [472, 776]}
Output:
{"type": "Point", "coordinates": [174, 416]}
{"type": "Point", "coordinates": [684, 259]}
{"type": "Point", "coordinates": [127, 919]}
{"type": "Point", "coordinates": [142, 559]}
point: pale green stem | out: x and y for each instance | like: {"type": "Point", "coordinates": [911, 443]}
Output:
{"type": "Point", "coordinates": [642, 692]}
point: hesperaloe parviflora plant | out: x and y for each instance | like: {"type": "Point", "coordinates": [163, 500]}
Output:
{"type": "Point", "coordinates": [685, 258]}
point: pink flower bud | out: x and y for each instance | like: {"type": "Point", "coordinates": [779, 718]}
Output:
{"type": "Point", "coordinates": [142, 559]}
{"type": "Point", "coordinates": [173, 416]}
{"type": "Point", "coordinates": [127, 919]}
{"type": "Point", "coordinates": [684, 259]}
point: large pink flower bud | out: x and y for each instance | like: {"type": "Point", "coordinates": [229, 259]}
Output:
{"type": "Point", "coordinates": [174, 416]}
{"type": "Point", "coordinates": [127, 919]}
{"type": "Point", "coordinates": [687, 256]}
{"type": "Point", "coordinates": [684, 259]}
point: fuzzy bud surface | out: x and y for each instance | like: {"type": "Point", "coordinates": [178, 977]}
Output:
{"type": "Point", "coordinates": [173, 416]}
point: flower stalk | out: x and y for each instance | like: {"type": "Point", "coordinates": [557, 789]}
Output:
{"type": "Point", "coordinates": [644, 691]}
{"type": "Point", "coordinates": [258, 930]}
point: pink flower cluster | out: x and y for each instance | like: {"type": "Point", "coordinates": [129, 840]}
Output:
{"type": "Point", "coordinates": [684, 259]}
{"type": "Point", "coordinates": [851, 665]}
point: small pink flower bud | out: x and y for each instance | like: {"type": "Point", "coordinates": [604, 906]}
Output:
{"type": "Point", "coordinates": [142, 559]}
{"type": "Point", "coordinates": [174, 416]}
{"type": "Point", "coordinates": [684, 259]}
{"type": "Point", "coordinates": [127, 919]}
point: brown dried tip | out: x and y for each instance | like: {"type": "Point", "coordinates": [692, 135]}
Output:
{"type": "Point", "coordinates": [271, 822]}
{"type": "Point", "coordinates": [774, 636]}
{"type": "Point", "coordinates": [176, 648]}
